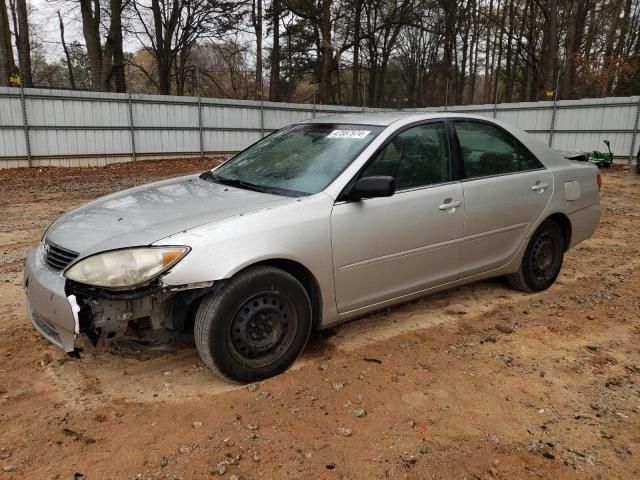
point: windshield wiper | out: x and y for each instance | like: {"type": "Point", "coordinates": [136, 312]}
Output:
{"type": "Point", "coordinates": [234, 182]}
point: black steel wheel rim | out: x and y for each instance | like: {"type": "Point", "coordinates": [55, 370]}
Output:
{"type": "Point", "coordinates": [262, 329]}
{"type": "Point", "coordinates": [544, 258]}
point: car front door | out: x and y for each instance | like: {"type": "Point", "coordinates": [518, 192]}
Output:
{"type": "Point", "coordinates": [506, 189]}
{"type": "Point", "coordinates": [385, 248]}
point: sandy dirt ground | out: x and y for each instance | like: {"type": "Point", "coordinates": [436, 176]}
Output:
{"type": "Point", "coordinates": [478, 382]}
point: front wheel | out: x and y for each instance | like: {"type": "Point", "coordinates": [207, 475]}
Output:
{"type": "Point", "coordinates": [542, 260]}
{"type": "Point", "coordinates": [255, 327]}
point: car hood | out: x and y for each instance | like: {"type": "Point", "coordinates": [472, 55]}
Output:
{"type": "Point", "coordinates": [146, 214]}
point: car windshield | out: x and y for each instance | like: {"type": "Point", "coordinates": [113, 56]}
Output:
{"type": "Point", "coordinates": [298, 160]}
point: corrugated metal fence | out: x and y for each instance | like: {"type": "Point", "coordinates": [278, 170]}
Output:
{"type": "Point", "coordinates": [575, 125]}
{"type": "Point", "coordinates": [69, 128]}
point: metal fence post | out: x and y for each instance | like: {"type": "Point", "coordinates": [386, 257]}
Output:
{"type": "Point", "coordinates": [132, 128]}
{"type": "Point", "coordinates": [446, 98]}
{"type": "Point", "coordinates": [553, 124]}
{"type": "Point", "coordinates": [25, 124]}
{"type": "Point", "coordinates": [313, 110]}
{"type": "Point", "coordinates": [495, 98]}
{"type": "Point", "coordinates": [552, 127]}
{"type": "Point", "coordinates": [261, 115]}
{"type": "Point", "coordinates": [200, 132]}
{"type": "Point", "coordinates": [635, 133]}
{"type": "Point", "coordinates": [555, 109]}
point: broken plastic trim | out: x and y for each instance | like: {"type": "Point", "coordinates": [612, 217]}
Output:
{"type": "Point", "coordinates": [188, 286]}
{"type": "Point", "coordinates": [75, 309]}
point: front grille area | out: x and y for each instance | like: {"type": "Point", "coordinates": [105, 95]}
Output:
{"type": "Point", "coordinates": [57, 257]}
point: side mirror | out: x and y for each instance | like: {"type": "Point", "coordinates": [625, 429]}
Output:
{"type": "Point", "coordinates": [373, 187]}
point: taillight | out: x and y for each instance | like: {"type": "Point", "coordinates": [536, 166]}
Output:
{"type": "Point", "coordinates": [599, 182]}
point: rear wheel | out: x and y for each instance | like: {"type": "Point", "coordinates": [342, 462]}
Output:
{"type": "Point", "coordinates": [542, 260]}
{"type": "Point", "coordinates": [255, 327]}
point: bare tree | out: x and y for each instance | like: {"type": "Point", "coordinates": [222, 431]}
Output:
{"type": "Point", "coordinates": [274, 79]}
{"type": "Point", "coordinates": [7, 65]}
{"type": "Point", "coordinates": [256, 21]}
{"type": "Point", "coordinates": [405, 52]}
{"type": "Point", "coordinates": [169, 29]}
{"type": "Point", "coordinates": [67, 55]}
{"type": "Point", "coordinates": [106, 58]}
{"type": "Point", "coordinates": [319, 15]}
{"type": "Point", "coordinates": [20, 17]}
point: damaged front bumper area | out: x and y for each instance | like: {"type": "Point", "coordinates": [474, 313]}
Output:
{"type": "Point", "coordinates": [51, 311]}
{"type": "Point", "coordinates": [153, 316]}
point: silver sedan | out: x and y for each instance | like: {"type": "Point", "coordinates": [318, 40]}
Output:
{"type": "Point", "coordinates": [316, 224]}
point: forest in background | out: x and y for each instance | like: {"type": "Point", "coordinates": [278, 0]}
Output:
{"type": "Point", "coordinates": [377, 53]}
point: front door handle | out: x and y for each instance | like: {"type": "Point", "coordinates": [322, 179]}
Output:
{"type": "Point", "coordinates": [540, 187]}
{"type": "Point", "coordinates": [450, 205]}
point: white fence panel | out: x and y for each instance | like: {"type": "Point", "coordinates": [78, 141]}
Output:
{"type": "Point", "coordinates": [72, 128]}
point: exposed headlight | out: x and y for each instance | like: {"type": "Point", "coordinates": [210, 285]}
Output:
{"type": "Point", "coordinates": [128, 268]}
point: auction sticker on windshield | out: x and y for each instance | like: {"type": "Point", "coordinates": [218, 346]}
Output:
{"type": "Point", "coordinates": [349, 134]}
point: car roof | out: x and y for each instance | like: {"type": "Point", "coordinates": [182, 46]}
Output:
{"type": "Point", "coordinates": [384, 119]}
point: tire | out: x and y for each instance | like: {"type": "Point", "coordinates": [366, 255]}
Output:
{"type": "Point", "coordinates": [542, 260]}
{"type": "Point", "coordinates": [255, 327]}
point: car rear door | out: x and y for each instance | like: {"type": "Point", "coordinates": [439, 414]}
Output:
{"type": "Point", "coordinates": [506, 189]}
{"type": "Point", "coordinates": [385, 248]}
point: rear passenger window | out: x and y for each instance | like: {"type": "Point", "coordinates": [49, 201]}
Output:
{"type": "Point", "coordinates": [527, 160]}
{"type": "Point", "coordinates": [487, 151]}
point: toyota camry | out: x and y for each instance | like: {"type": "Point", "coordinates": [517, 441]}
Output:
{"type": "Point", "coordinates": [320, 222]}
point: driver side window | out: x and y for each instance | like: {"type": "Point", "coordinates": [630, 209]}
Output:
{"type": "Point", "coordinates": [416, 157]}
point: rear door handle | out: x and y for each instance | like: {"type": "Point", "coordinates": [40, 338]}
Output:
{"type": "Point", "coordinates": [450, 205]}
{"type": "Point", "coordinates": [540, 187]}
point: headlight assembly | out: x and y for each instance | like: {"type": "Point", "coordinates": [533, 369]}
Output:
{"type": "Point", "coordinates": [128, 268]}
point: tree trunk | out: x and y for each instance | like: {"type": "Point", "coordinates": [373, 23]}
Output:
{"type": "Point", "coordinates": [619, 51]}
{"type": "Point", "coordinates": [551, 45]}
{"type": "Point", "coordinates": [163, 54]}
{"type": "Point", "coordinates": [117, 69]}
{"type": "Point", "coordinates": [90, 12]}
{"type": "Point", "coordinates": [608, 53]}
{"type": "Point", "coordinates": [591, 34]}
{"type": "Point", "coordinates": [7, 65]}
{"type": "Point", "coordinates": [474, 48]}
{"type": "Point", "coordinates": [181, 73]}
{"type": "Point", "coordinates": [500, 51]}
{"type": "Point", "coordinates": [508, 85]}
{"type": "Point", "coordinates": [520, 34]}
{"type": "Point", "coordinates": [72, 81]}
{"type": "Point", "coordinates": [528, 90]}
{"type": "Point", "coordinates": [578, 37]}
{"type": "Point", "coordinates": [274, 83]}
{"type": "Point", "coordinates": [449, 54]}
{"type": "Point", "coordinates": [487, 57]}
{"type": "Point", "coordinates": [326, 50]}
{"type": "Point", "coordinates": [23, 43]}
{"type": "Point", "coordinates": [570, 41]}
{"type": "Point", "coordinates": [461, 72]}
{"type": "Point", "coordinates": [373, 78]}
{"type": "Point", "coordinates": [256, 19]}
{"type": "Point", "coordinates": [355, 81]}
